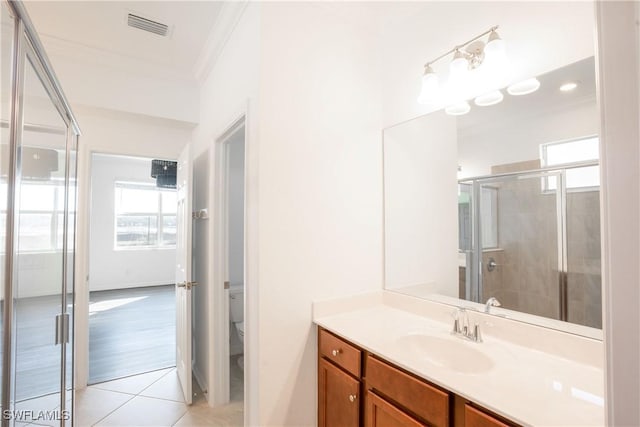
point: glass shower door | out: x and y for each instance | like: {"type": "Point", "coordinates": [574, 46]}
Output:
{"type": "Point", "coordinates": [522, 249]}
{"type": "Point", "coordinates": [40, 298]}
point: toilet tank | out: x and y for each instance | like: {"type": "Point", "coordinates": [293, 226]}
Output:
{"type": "Point", "coordinates": [236, 303]}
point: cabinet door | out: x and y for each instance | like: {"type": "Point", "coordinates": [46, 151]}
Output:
{"type": "Point", "coordinates": [380, 413]}
{"type": "Point", "coordinates": [338, 397]}
{"type": "Point", "coordinates": [476, 418]}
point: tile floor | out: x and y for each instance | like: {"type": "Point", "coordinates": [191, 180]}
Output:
{"type": "Point", "coordinates": [151, 399]}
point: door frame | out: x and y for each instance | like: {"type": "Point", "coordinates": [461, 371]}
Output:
{"type": "Point", "coordinates": [83, 245]}
{"type": "Point", "coordinates": [219, 378]}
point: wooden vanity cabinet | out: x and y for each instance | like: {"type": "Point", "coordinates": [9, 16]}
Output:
{"type": "Point", "coordinates": [339, 385]}
{"type": "Point", "coordinates": [357, 388]}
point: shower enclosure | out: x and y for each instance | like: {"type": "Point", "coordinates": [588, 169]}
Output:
{"type": "Point", "coordinates": [38, 156]}
{"type": "Point", "coordinates": [532, 240]}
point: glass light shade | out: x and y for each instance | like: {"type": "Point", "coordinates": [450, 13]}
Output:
{"type": "Point", "coordinates": [495, 46]}
{"type": "Point", "coordinates": [491, 98]}
{"type": "Point", "coordinates": [430, 88]}
{"type": "Point", "coordinates": [459, 65]}
{"type": "Point", "coordinates": [524, 87]}
{"type": "Point", "coordinates": [458, 109]}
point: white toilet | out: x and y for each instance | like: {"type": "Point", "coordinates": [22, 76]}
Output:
{"type": "Point", "coordinates": [236, 310]}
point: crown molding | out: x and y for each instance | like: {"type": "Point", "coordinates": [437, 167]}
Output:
{"type": "Point", "coordinates": [221, 31]}
{"type": "Point", "coordinates": [78, 52]}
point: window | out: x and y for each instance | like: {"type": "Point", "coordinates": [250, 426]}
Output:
{"type": "Point", "coordinates": [569, 152]}
{"type": "Point", "coordinates": [145, 216]}
{"type": "Point", "coordinates": [41, 215]}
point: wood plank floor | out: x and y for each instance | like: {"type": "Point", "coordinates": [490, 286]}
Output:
{"type": "Point", "coordinates": [131, 331]}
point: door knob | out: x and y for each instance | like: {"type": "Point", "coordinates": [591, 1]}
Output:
{"type": "Point", "coordinates": [352, 397]}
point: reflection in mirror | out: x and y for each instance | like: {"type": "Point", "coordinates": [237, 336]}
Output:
{"type": "Point", "coordinates": [526, 221]}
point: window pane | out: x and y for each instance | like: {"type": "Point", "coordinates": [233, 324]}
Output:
{"type": "Point", "coordinates": [136, 230]}
{"type": "Point", "coordinates": [169, 230]}
{"type": "Point", "coordinates": [60, 229]}
{"type": "Point", "coordinates": [132, 200]}
{"type": "Point", "coordinates": [169, 202]}
{"type": "Point", "coordinates": [35, 232]}
{"type": "Point", "coordinates": [585, 177]}
{"type": "Point", "coordinates": [37, 197]}
{"type": "Point", "coordinates": [572, 151]}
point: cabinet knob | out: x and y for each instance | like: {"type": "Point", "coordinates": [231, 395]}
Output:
{"type": "Point", "coordinates": [352, 397]}
{"type": "Point", "coordinates": [336, 352]}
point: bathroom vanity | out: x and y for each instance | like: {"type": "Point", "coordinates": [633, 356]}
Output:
{"type": "Point", "coordinates": [386, 359]}
{"type": "Point", "coordinates": [386, 395]}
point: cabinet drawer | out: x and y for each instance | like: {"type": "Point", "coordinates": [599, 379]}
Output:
{"type": "Point", "coordinates": [476, 418]}
{"type": "Point", "coordinates": [381, 413]}
{"type": "Point", "coordinates": [340, 352]}
{"type": "Point", "coordinates": [420, 398]}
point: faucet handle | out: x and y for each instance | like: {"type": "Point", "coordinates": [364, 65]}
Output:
{"type": "Point", "coordinates": [477, 336]}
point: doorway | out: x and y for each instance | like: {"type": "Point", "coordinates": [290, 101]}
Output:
{"type": "Point", "coordinates": [132, 308]}
{"type": "Point", "coordinates": [235, 206]}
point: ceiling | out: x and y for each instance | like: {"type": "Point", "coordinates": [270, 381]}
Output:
{"type": "Point", "coordinates": [100, 27]}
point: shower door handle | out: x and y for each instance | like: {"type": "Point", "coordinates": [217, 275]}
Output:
{"type": "Point", "coordinates": [62, 328]}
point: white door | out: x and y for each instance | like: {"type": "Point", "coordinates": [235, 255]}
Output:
{"type": "Point", "coordinates": [183, 275]}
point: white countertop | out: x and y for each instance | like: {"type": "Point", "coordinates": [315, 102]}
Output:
{"type": "Point", "coordinates": [530, 386]}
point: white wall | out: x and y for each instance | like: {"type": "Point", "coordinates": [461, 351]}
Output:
{"type": "Point", "coordinates": [620, 107]}
{"type": "Point", "coordinates": [110, 268]}
{"type": "Point", "coordinates": [320, 189]}
{"type": "Point", "coordinates": [230, 91]}
{"type": "Point", "coordinates": [421, 217]}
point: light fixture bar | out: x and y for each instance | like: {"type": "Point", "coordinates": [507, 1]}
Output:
{"type": "Point", "coordinates": [460, 46]}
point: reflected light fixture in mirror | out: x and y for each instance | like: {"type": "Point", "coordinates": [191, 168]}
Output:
{"type": "Point", "coordinates": [568, 87]}
{"type": "Point", "coordinates": [524, 87]}
{"type": "Point", "coordinates": [476, 67]}
{"type": "Point", "coordinates": [491, 98]}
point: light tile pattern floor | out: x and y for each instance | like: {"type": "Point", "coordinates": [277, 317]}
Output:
{"type": "Point", "coordinates": [152, 399]}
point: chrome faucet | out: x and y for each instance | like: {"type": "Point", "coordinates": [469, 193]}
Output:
{"type": "Point", "coordinates": [491, 302]}
{"type": "Point", "coordinates": [461, 326]}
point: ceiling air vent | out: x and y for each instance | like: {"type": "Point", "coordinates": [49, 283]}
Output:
{"type": "Point", "coordinates": [145, 24]}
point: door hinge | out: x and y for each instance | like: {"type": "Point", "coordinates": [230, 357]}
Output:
{"type": "Point", "coordinates": [226, 285]}
{"type": "Point", "coordinates": [62, 328]}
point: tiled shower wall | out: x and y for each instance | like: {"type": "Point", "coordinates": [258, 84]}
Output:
{"type": "Point", "coordinates": [526, 277]}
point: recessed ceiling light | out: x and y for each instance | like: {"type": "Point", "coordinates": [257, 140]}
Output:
{"type": "Point", "coordinates": [568, 87]}
{"type": "Point", "coordinates": [524, 87]}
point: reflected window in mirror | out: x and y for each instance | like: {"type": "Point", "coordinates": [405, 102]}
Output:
{"type": "Point", "coordinates": [566, 153]}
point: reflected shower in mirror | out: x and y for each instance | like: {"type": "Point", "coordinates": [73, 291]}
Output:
{"type": "Point", "coordinates": [515, 186]}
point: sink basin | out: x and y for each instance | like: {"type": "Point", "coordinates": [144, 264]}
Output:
{"type": "Point", "coordinates": [452, 353]}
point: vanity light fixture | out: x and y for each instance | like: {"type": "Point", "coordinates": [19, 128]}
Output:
{"type": "Point", "coordinates": [568, 87]}
{"type": "Point", "coordinates": [491, 98]}
{"type": "Point", "coordinates": [467, 58]}
{"type": "Point", "coordinates": [524, 87]}
{"type": "Point", "coordinates": [458, 109]}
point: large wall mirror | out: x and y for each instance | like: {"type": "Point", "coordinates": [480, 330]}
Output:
{"type": "Point", "coordinates": [502, 202]}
